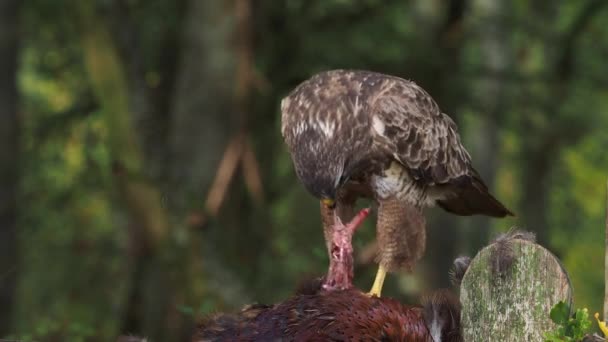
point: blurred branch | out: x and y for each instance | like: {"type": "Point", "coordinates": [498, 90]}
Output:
{"type": "Point", "coordinates": [251, 172]}
{"type": "Point", "coordinates": [240, 148]}
{"type": "Point", "coordinates": [224, 175]}
{"type": "Point", "coordinates": [246, 79]}
{"type": "Point", "coordinates": [238, 151]}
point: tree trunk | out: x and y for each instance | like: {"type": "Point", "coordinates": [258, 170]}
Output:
{"type": "Point", "coordinates": [484, 135]}
{"type": "Point", "coordinates": [153, 280]}
{"type": "Point", "coordinates": [202, 111]}
{"type": "Point", "coordinates": [539, 150]}
{"type": "Point", "coordinates": [209, 101]}
{"type": "Point", "coordinates": [9, 159]}
{"type": "Point", "coordinates": [194, 136]}
{"type": "Point", "coordinates": [443, 84]}
{"type": "Point", "coordinates": [535, 184]}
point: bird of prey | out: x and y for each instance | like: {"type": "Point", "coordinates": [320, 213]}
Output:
{"type": "Point", "coordinates": [354, 134]}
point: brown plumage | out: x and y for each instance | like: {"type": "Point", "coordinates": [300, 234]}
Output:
{"type": "Point", "coordinates": [358, 134]}
{"type": "Point", "coordinates": [341, 315]}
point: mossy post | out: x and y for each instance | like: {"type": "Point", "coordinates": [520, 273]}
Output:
{"type": "Point", "coordinates": [508, 291]}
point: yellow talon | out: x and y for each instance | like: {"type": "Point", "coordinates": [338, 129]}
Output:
{"type": "Point", "coordinates": [602, 324]}
{"type": "Point", "coordinates": [378, 282]}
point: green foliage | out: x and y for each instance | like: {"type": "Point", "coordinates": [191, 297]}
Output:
{"type": "Point", "coordinates": [569, 328]}
{"type": "Point", "coordinates": [77, 256]}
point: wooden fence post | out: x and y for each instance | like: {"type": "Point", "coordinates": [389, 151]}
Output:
{"type": "Point", "coordinates": [508, 291]}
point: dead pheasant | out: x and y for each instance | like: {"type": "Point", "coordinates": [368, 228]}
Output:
{"type": "Point", "coordinates": [332, 310]}
{"type": "Point", "coordinates": [341, 315]}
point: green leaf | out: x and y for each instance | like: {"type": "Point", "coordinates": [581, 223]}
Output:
{"type": "Point", "coordinates": [580, 324]}
{"type": "Point", "coordinates": [560, 313]}
{"type": "Point", "coordinates": [552, 337]}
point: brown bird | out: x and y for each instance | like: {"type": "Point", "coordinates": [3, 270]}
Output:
{"type": "Point", "coordinates": [355, 134]}
{"type": "Point", "coordinates": [341, 315]}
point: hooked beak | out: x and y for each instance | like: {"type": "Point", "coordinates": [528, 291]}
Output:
{"type": "Point", "coordinates": [328, 202]}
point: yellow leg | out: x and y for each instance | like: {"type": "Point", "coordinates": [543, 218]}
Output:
{"type": "Point", "coordinates": [377, 287]}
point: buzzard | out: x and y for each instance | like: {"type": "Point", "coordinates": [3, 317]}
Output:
{"type": "Point", "coordinates": [354, 134]}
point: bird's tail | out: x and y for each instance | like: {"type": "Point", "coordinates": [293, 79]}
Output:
{"type": "Point", "coordinates": [473, 198]}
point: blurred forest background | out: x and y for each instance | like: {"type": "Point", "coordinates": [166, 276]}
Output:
{"type": "Point", "coordinates": [144, 182]}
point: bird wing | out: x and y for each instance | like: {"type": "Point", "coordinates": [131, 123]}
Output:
{"type": "Point", "coordinates": [408, 124]}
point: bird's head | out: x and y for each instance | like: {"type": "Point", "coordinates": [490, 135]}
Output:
{"type": "Point", "coordinates": [322, 162]}
{"type": "Point", "coordinates": [323, 180]}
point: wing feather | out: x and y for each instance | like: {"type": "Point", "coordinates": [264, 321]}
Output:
{"type": "Point", "coordinates": [419, 135]}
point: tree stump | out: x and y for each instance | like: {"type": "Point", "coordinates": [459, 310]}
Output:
{"type": "Point", "coordinates": [508, 291]}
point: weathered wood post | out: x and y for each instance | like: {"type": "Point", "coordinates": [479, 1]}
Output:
{"type": "Point", "coordinates": [509, 289]}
